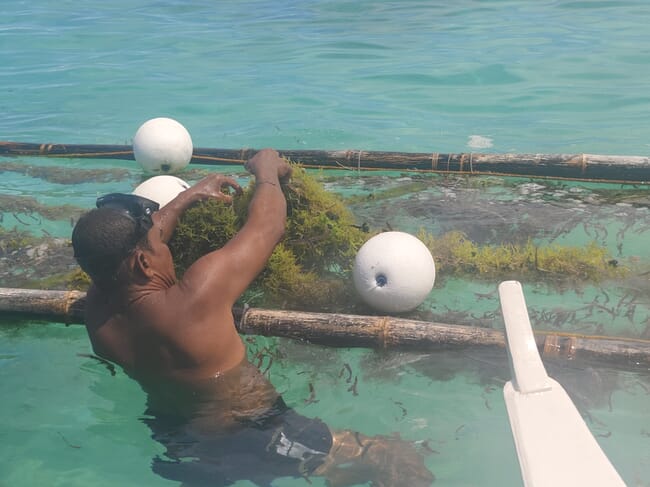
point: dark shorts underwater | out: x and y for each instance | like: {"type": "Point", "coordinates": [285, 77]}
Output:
{"type": "Point", "coordinates": [280, 443]}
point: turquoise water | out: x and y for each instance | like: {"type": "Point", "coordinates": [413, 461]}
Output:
{"type": "Point", "coordinates": [399, 76]}
{"type": "Point", "coordinates": [548, 76]}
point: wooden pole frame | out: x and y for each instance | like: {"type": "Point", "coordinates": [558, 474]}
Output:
{"type": "Point", "coordinates": [345, 330]}
{"type": "Point", "coordinates": [611, 168]}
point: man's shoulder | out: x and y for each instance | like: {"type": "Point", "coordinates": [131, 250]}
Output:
{"type": "Point", "coordinates": [160, 309]}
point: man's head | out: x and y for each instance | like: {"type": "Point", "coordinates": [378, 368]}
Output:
{"type": "Point", "coordinates": [105, 237]}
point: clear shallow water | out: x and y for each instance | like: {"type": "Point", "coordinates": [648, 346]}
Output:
{"type": "Point", "coordinates": [68, 421]}
{"type": "Point", "coordinates": [525, 76]}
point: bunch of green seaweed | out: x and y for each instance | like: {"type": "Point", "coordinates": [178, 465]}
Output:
{"type": "Point", "coordinates": [310, 267]}
{"type": "Point", "coordinates": [455, 254]}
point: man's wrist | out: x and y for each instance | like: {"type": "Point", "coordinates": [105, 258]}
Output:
{"type": "Point", "coordinates": [265, 181]}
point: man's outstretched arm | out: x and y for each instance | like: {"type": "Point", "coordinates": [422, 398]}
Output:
{"type": "Point", "coordinates": [224, 274]}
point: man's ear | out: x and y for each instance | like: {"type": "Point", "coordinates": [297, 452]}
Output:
{"type": "Point", "coordinates": [142, 264]}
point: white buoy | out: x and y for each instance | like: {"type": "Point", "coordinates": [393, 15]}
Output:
{"type": "Point", "coordinates": [162, 145]}
{"type": "Point", "coordinates": [394, 272]}
{"type": "Point", "coordinates": [161, 189]}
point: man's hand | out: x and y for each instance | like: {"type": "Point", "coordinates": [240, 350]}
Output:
{"type": "Point", "coordinates": [267, 165]}
{"type": "Point", "coordinates": [213, 186]}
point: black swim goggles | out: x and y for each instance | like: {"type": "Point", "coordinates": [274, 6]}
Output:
{"type": "Point", "coordinates": [136, 208]}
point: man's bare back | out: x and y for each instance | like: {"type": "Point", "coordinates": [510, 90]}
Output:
{"type": "Point", "coordinates": [155, 325]}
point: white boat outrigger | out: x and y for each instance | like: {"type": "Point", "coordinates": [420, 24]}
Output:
{"type": "Point", "coordinates": [554, 445]}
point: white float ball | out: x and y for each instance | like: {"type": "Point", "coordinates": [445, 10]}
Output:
{"type": "Point", "coordinates": [162, 145]}
{"type": "Point", "coordinates": [161, 189]}
{"type": "Point", "coordinates": [394, 272]}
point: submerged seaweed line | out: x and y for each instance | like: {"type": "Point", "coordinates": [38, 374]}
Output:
{"type": "Point", "coordinates": [65, 175]}
{"type": "Point", "coordinates": [30, 206]}
{"type": "Point", "coordinates": [454, 253]}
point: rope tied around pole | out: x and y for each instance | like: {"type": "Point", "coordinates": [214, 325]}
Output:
{"type": "Point", "coordinates": [350, 156]}
{"type": "Point", "coordinates": [218, 159]}
{"type": "Point", "coordinates": [434, 161]}
{"type": "Point", "coordinates": [383, 331]}
{"type": "Point", "coordinates": [558, 346]}
{"type": "Point", "coordinates": [463, 158]}
{"type": "Point", "coordinates": [580, 160]}
{"type": "Point", "coordinates": [70, 299]}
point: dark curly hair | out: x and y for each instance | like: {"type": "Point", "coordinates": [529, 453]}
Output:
{"type": "Point", "coordinates": [102, 239]}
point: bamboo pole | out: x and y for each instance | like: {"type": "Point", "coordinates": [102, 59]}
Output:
{"type": "Point", "coordinates": [344, 330]}
{"type": "Point", "coordinates": [59, 306]}
{"type": "Point", "coordinates": [632, 169]}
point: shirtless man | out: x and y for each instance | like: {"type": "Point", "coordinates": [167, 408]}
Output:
{"type": "Point", "coordinates": [177, 338]}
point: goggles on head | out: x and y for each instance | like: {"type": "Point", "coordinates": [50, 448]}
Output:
{"type": "Point", "coordinates": [136, 208]}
